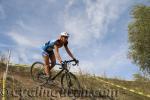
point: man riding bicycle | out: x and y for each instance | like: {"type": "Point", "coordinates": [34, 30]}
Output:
{"type": "Point", "coordinates": [49, 54]}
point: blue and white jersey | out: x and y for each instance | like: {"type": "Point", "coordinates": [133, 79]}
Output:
{"type": "Point", "coordinates": [49, 46]}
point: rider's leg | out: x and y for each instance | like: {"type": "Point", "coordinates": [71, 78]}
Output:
{"type": "Point", "coordinates": [46, 64]}
{"type": "Point", "coordinates": [53, 62]}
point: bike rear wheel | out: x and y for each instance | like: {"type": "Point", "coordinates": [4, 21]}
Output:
{"type": "Point", "coordinates": [70, 81]}
{"type": "Point", "coordinates": [37, 73]}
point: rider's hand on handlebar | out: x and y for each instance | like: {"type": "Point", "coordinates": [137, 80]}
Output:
{"type": "Point", "coordinates": [62, 63]}
{"type": "Point", "coordinates": [76, 61]}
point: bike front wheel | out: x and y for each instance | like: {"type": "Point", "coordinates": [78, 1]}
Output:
{"type": "Point", "coordinates": [70, 81]}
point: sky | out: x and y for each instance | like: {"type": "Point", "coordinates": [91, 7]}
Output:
{"type": "Point", "coordinates": [98, 32]}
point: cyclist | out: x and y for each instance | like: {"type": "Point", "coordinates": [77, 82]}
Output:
{"type": "Point", "coordinates": [49, 54]}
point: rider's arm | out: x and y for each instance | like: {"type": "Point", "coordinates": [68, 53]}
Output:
{"type": "Point", "coordinates": [69, 52]}
{"type": "Point", "coordinates": [57, 54]}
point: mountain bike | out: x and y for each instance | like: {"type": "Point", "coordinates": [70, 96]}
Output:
{"type": "Point", "coordinates": [68, 79]}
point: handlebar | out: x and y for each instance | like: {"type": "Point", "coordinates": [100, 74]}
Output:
{"type": "Point", "coordinates": [68, 61]}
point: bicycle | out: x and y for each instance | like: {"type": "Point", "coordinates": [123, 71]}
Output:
{"type": "Point", "coordinates": [68, 79]}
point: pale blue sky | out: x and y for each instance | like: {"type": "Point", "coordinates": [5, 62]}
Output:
{"type": "Point", "coordinates": [98, 30]}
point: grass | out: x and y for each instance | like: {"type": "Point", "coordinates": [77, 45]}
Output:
{"type": "Point", "coordinates": [22, 79]}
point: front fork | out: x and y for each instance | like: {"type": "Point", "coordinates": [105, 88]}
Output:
{"type": "Point", "coordinates": [68, 78]}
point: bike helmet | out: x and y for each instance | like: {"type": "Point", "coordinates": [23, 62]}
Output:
{"type": "Point", "coordinates": [64, 34]}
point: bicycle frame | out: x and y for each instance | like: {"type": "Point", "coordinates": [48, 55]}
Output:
{"type": "Point", "coordinates": [65, 66]}
{"type": "Point", "coordinates": [62, 69]}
